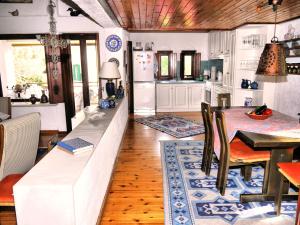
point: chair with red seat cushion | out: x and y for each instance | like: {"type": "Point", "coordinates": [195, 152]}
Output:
{"type": "Point", "coordinates": [237, 153]}
{"type": "Point", "coordinates": [207, 157]}
{"type": "Point", "coordinates": [6, 189]}
{"type": "Point", "coordinates": [19, 139]}
{"type": "Point", "coordinates": [290, 172]}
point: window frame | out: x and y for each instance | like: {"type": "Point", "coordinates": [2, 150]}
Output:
{"type": "Point", "coordinates": [22, 37]}
{"type": "Point", "coordinates": [170, 75]}
{"type": "Point", "coordinates": [191, 53]}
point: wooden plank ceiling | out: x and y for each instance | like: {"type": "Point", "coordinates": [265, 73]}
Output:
{"type": "Point", "coordinates": [197, 15]}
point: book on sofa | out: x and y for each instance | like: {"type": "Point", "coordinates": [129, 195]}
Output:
{"type": "Point", "coordinates": [75, 145]}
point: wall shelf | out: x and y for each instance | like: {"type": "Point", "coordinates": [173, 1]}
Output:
{"type": "Point", "coordinates": [293, 68]}
{"type": "Point", "coordinates": [249, 89]}
{"type": "Point", "coordinates": [290, 40]}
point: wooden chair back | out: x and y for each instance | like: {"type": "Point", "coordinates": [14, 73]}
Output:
{"type": "Point", "coordinates": [5, 105]}
{"type": "Point", "coordinates": [207, 115]}
{"type": "Point", "coordinates": [224, 98]}
{"type": "Point", "coordinates": [224, 143]}
{"type": "Point", "coordinates": [19, 139]}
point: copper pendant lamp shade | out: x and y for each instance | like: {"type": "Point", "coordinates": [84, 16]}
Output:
{"type": "Point", "coordinates": [272, 60]}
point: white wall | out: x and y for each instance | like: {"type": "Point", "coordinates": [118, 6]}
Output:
{"type": "Point", "coordinates": [174, 41]}
{"type": "Point", "coordinates": [105, 54]}
{"type": "Point", "coordinates": [33, 18]}
{"type": "Point", "coordinates": [287, 91]}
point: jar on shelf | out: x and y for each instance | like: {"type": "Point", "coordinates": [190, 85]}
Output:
{"type": "Point", "coordinates": [295, 70]}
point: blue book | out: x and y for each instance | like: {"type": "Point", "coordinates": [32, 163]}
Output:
{"type": "Point", "coordinates": [75, 145]}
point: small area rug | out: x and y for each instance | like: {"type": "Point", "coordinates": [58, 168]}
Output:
{"type": "Point", "coordinates": [191, 198]}
{"type": "Point", "coordinates": [173, 125]}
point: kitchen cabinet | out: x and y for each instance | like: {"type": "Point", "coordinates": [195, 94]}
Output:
{"type": "Point", "coordinates": [292, 49]}
{"type": "Point", "coordinates": [164, 97]}
{"type": "Point", "coordinates": [219, 43]}
{"type": "Point", "coordinates": [179, 97]}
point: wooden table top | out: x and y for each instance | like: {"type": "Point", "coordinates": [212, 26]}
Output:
{"type": "Point", "coordinates": [258, 140]}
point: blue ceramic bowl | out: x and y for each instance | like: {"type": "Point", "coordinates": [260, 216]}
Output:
{"type": "Point", "coordinates": [104, 104]}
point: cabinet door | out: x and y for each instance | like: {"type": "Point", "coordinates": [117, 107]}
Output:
{"type": "Point", "coordinates": [196, 96]}
{"type": "Point", "coordinates": [164, 96]}
{"type": "Point", "coordinates": [180, 92]}
{"type": "Point", "coordinates": [222, 42]}
{"type": "Point", "coordinates": [212, 44]}
{"type": "Point", "coordinates": [226, 69]}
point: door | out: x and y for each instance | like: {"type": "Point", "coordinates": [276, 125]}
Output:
{"type": "Point", "coordinates": [163, 97]}
{"type": "Point", "coordinates": [196, 96]}
{"type": "Point", "coordinates": [144, 96]}
{"type": "Point", "coordinates": [85, 69]}
{"type": "Point", "coordinates": [143, 69]}
{"type": "Point", "coordinates": [129, 85]}
{"type": "Point", "coordinates": [180, 96]}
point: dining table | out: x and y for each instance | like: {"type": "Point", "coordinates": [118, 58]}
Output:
{"type": "Point", "coordinates": [280, 134]}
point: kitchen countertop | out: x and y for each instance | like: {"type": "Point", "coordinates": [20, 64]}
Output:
{"type": "Point", "coordinates": [179, 82]}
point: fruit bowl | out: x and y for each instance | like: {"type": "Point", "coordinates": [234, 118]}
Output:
{"type": "Point", "coordinates": [258, 117]}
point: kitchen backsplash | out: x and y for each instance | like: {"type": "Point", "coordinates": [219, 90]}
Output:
{"type": "Point", "coordinates": [207, 64]}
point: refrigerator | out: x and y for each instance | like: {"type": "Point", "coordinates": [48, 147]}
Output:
{"type": "Point", "coordinates": [143, 81]}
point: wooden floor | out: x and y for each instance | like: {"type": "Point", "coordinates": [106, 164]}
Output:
{"type": "Point", "coordinates": [136, 192]}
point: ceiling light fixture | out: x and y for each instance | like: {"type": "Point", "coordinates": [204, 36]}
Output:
{"type": "Point", "coordinates": [272, 60]}
{"type": "Point", "coordinates": [52, 40]}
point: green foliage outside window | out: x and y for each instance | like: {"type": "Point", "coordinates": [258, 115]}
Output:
{"type": "Point", "coordinates": [29, 65]}
{"type": "Point", "coordinates": [164, 64]}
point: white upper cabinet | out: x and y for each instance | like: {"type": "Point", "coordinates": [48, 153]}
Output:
{"type": "Point", "coordinates": [219, 44]}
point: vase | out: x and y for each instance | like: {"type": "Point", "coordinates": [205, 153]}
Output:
{"type": "Point", "coordinates": [33, 99]}
{"type": "Point", "coordinates": [44, 98]}
{"type": "Point", "coordinates": [120, 91]}
{"type": "Point", "coordinates": [245, 83]}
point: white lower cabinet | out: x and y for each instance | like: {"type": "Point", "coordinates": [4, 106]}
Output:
{"type": "Point", "coordinates": [179, 97]}
{"type": "Point", "coordinates": [163, 96]}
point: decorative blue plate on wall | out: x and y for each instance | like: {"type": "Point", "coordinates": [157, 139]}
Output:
{"type": "Point", "coordinates": [113, 43]}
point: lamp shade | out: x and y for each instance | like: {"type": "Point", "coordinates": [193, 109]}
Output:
{"type": "Point", "coordinates": [272, 60]}
{"type": "Point", "coordinates": [109, 70]}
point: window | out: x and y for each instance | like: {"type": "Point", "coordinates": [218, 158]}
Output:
{"type": "Point", "coordinates": [166, 65]}
{"type": "Point", "coordinates": [25, 68]}
{"type": "Point", "coordinates": [90, 70]}
{"type": "Point", "coordinates": [164, 69]}
{"type": "Point", "coordinates": [189, 65]}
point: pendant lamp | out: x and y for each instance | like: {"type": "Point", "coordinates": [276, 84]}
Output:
{"type": "Point", "coordinates": [272, 60]}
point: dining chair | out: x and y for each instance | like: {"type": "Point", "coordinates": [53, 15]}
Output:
{"type": "Point", "coordinates": [224, 100]}
{"type": "Point", "coordinates": [19, 139]}
{"type": "Point", "coordinates": [237, 153]}
{"type": "Point", "coordinates": [5, 105]}
{"type": "Point", "coordinates": [289, 172]}
{"type": "Point", "coordinates": [207, 157]}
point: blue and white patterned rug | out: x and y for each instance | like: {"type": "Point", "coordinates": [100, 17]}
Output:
{"type": "Point", "coordinates": [191, 198]}
{"type": "Point", "coordinates": [173, 125]}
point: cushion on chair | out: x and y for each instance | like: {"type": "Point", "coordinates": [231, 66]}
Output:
{"type": "Point", "coordinates": [6, 188]}
{"type": "Point", "coordinates": [240, 152]}
{"type": "Point", "coordinates": [290, 171]}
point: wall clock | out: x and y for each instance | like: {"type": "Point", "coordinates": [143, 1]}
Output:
{"type": "Point", "coordinates": [116, 61]}
{"type": "Point", "coordinates": [113, 43]}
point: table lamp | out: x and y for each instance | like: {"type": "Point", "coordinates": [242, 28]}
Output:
{"type": "Point", "coordinates": [109, 71]}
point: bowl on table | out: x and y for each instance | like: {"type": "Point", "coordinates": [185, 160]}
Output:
{"type": "Point", "coordinates": [258, 117]}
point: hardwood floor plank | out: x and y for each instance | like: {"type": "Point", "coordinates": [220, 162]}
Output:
{"type": "Point", "coordinates": [136, 192]}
